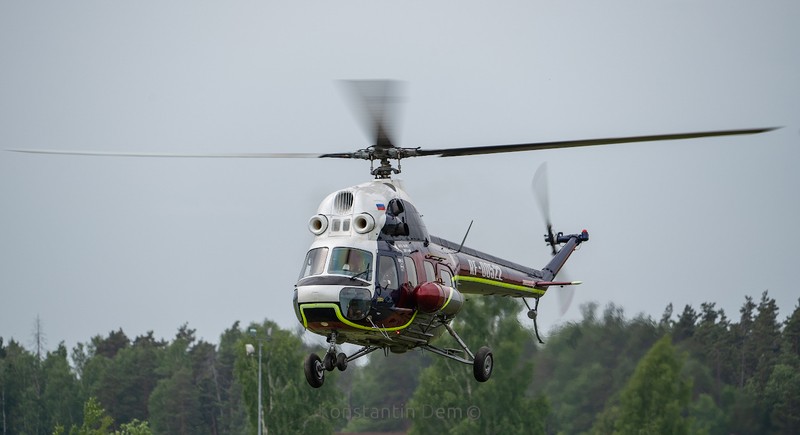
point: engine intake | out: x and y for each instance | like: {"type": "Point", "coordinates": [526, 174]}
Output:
{"type": "Point", "coordinates": [318, 224]}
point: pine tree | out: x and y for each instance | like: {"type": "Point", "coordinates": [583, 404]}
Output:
{"type": "Point", "coordinates": [61, 396]}
{"type": "Point", "coordinates": [766, 340]}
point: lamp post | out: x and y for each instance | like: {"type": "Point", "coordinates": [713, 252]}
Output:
{"type": "Point", "coordinates": [250, 350]}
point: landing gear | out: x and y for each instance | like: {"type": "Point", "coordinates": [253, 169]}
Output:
{"type": "Point", "coordinates": [341, 362]}
{"type": "Point", "coordinates": [315, 372]}
{"type": "Point", "coordinates": [532, 314]}
{"type": "Point", "coordinates": [315, 367]}
{"type": "Point", "coordinates": [482, 362]}
{"type": "Point", "coordinates": [329, 362]}
{"type": "Point", "coordinates": [333, 361]}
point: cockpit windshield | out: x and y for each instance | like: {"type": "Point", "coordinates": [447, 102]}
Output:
{"type": "Point", "coordinates": [315, 262]}
{"type": "Point", "coordinates": [351, 262]}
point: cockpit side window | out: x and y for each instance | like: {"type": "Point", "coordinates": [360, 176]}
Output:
{"type": "Point", "coordinates": [387, 273]}
{"type": "Point", "coordinates": [446, 276]}
{"type": "Point", "coordinates": [430, 272]}
{"type": "Point", "coordinates": [314, 263]}
{"type": "Point", "coordinates": [351, 262]}
{"type": "Point", "coordinates": [411, 271]}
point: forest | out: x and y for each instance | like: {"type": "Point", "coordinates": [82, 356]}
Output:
{"type": "Point", "coordinates": [696, 371]}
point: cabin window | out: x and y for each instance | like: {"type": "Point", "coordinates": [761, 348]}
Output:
{"type": "Point", "coordinates": [314, 263]}
{"type": "Point", "coordinates": [387, 273]}
{"type": "Point", "coordinates": [411, 271]}
{"type": "Point", "coordinates": [430, 272]}
{"type": "Point", "coordinates": [447, 277]}
{"type": "Point", "coordinates": [351, 262]}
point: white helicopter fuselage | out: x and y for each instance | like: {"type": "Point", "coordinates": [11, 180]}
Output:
{"type": "Point", "coordinates": [374, 276]}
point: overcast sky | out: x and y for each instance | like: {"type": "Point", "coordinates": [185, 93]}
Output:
{"type": "Point", "coordinates": [93, 244]}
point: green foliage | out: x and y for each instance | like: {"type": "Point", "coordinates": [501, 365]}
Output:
{"type": "Point", "coordinates": [290, 406]}
{"type": "Point", "coordinates": [120, 374]}
{"type": "Point", "coordinates": [601, 375]}
{"type": "Point", "coordinates": [583, 365]}
{"type": "Point", "coordinates": [449, 400]}
{"type": "Point", "coordinates": [384, 385]}
{"type": "Point", "coordinates": [60, 395]}
{"type": "Point", "coordinates": [782, 396]}
{"type": "Point", "coordinates": [707, 417]}
{"type": "Point", "coordinates": [134, 427]}
{"type": "Point", "coordinates": [96, 421]}
{"type": "Point", "coordinates": [174, 404]}
{"type": "Point", "coordinates": [20, 384]}
{"type": "Point", "coordinates": [656, 398]}
{"type": "Point", "coordinates": [230, 416]}
{"type": "Point", "coordinates": [791, 335]}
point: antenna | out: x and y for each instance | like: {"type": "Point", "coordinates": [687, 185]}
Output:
{"type": "Point", "coordinates": [465, 237]}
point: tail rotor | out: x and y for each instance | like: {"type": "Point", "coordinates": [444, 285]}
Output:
{"type": "Point", "coordinates": [540, 189]}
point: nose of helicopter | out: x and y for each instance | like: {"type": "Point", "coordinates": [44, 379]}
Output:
{"type": "Point", "coordinates": [326, 306]}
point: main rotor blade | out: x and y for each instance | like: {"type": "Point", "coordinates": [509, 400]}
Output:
{"type": "Point", "coordinates": [492, 149]}
{"type": "Point", "coordinates": [170, 155]}
{"type": "Point", "coordinates": [376, 101]}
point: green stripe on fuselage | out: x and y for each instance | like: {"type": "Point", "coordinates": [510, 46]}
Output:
{"type": "Point", "coordinates": [342, 319]}
{"type": "Point", "coordinates": [491, 282]}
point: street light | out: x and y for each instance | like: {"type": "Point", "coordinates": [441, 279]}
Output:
{"type": "Point", "coordinates": [250, 350]}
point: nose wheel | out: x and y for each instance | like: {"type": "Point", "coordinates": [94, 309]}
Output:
{"type": "Point", "coordinates": [315, 367]}
{"type": "Point", "coordinates": [315, 371]}
{"type": "Point", "coordinates": [335, 361]}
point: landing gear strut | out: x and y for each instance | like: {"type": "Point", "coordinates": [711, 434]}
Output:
{"type": "Point", "coordinates": [315, 367]}
{"type": "Point", "coordinates": [532, 315]}
{"type": "Point", "coordinates": [482, 362]}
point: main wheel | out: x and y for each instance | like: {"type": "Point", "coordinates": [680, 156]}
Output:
{"type": "Point", "coordinates": [483, 364]}
{"type": "Point", "coordinates": [315, 372]}
{"type": "Point", "coordinates": [341, 362]}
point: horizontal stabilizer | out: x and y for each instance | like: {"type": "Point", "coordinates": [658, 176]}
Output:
{"type": "Point", "coordinates": [557, 283]}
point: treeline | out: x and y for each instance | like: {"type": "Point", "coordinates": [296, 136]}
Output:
{"type": "Point", "coordinates": [693, 372]}
{"type": "Point", "coordinates": [147, 385]}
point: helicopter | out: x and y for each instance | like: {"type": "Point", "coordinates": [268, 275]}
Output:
{"type": "Point", "coordinates": [376, 278]}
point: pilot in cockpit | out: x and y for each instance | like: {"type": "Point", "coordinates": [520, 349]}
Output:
{"type": "Point", "coordinates": [357, 264]}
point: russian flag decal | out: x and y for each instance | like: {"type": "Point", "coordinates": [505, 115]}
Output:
{"type": "Point", "coordinates": [381, 207]}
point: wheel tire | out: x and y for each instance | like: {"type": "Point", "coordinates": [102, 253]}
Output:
{"type": "Point", "coordinates": [329, 362]}
{"type": "Point", "coordinates": [341, 362]}
{"type": "Point", "coordinates": [483, 364]}
{"type": "Point", "coordinates": [315, 372]}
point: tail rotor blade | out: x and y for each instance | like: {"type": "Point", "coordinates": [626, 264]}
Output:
{"type": "Point", "coordinates": [542, 195]}
{"type": "Point", "coordinates": [540, 191]}
{"type": "Point", "coordinates": [565, 296]}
